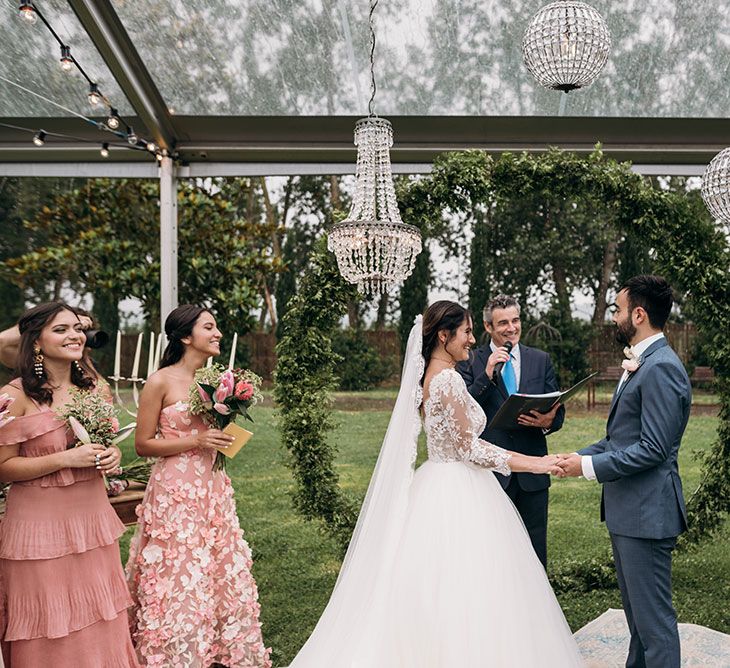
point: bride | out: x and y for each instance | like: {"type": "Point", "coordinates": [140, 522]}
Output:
{"type": "Point", "coordinates": [440, 572]}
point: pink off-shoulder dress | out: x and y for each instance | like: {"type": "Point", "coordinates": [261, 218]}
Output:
{"type": "Point", "coordinates": [63, 593]}
{"type": "Point", "coordinates": [189, 568]}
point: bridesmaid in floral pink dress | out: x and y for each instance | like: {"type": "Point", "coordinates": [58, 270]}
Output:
{"type": "Point", "coordinates": [63, 593]}
{"type": "Point", "coordinates": [189, 567]}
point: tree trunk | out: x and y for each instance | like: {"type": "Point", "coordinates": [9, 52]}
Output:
{"type": "Point", "coordinates": [352, 315]}
{"type": "Point", "coordinates": [561, 291]}
{"type": "Point", "coordinates": [270, 305]}
{"type": "Point", "coordinates": [335, 192]}
{"type": "Point", "coordinates": [609, 262]}
{"type": "Point", "coordinates": [271, 220]}
{"type": "Point", "coordinates": [382, 312]}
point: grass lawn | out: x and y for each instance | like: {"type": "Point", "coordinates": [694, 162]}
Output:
{"type": "Point", "coordinates": [296, 564]}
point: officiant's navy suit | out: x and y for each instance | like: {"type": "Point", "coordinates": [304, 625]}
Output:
{"type": "Point", "coordinates": [642, 502]}
{"type": "Point", "coordinates": [528, 491]}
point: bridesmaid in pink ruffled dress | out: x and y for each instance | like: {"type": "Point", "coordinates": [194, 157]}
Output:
{"type": "Point", "coordinates": [189, 568]}
{"type": "Point", "coordinates": [63, 594]}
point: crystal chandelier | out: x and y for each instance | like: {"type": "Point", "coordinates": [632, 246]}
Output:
{"type": "Point", "coordinates": [566, 45]}
{"type": "Point", "coordinates": [716, 186]}
{"type": "Point", "coordinates": [375, 249]}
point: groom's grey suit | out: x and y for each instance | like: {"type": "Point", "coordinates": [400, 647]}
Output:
{"type": "Point", "coordinates": [642, 502]}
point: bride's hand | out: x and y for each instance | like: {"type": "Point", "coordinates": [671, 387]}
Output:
{"type": "Point", "coordinates": [549, 464]}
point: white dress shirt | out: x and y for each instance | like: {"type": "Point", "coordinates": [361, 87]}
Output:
{"type": "Point", "coordinates": [516, 361]}
{"type": "Point", "coordinates": [586, 461]}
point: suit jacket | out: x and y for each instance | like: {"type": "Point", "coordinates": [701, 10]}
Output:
{"type": "Point", "coordinates": [536, 377]}
{"type": "Point", "coordinates": [637, 460]}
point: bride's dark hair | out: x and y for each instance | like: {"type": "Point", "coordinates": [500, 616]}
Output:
{"type": "Point", "coordinates": [439, 316]}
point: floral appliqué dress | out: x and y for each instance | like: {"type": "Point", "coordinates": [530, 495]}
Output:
{"type": "Point", "coordinates": [189, 568]}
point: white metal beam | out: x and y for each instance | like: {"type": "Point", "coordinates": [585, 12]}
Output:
{"type": "Point", "coordinates": [168, 238]}
{"type": "Point", "coordinates": [90, 170]}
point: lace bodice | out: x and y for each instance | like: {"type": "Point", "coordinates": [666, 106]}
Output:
{"type": "Point", "coordinates": [453, 421]}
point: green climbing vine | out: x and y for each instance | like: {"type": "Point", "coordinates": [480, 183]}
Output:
{"type": "Point", "coordinates": [304, 379]}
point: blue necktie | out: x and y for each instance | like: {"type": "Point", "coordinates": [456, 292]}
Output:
{"type": "Point", "coordinates": [508, 376]}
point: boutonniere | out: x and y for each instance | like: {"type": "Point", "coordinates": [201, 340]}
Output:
{"type": "Point", "coordinates": [632, 362]}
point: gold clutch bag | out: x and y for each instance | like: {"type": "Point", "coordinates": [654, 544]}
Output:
{"type": "Point", "coordinates": [240, 434]}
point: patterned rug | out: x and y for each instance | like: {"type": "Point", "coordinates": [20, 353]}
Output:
{"type": "Point", "coordinates": [604, 643]}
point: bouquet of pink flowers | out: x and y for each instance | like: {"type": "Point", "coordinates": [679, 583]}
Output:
{"type": "Point", "coordinates": [5, 401]}
{"type": "Point", "coordinates": [219, 395]}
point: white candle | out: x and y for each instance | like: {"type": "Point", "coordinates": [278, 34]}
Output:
{"type": "Point", "coordinates": [210, 362]}
{"type": "Point", "coordinates": [137, 353]}
{"type": "Point", "coordinates": [233, 351]}
{"type": "Point", "coordinates": [158, 353]}
{"type": "Point", "coordinates": [151, 356]}
{"type": "Point", "coordinates": [118, 356]}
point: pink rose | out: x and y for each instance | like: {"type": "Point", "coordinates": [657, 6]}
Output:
{"type": "Point", "coordinates": [221, 408]}
{"type": "Point", "coordinates": [244, 390]}
{"type": "Point", "coordinates": [115, 425]}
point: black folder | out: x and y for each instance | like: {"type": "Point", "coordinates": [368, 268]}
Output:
{"type": "Point", "coordinates": [519, 404]}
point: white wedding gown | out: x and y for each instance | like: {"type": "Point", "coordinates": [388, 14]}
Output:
{"type": "Point", "coordinates": [450, 579]}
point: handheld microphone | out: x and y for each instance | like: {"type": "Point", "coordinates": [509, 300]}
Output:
{"type": "Point", "coordinates": [499, 365]}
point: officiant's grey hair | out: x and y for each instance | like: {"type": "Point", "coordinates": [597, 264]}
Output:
{"type": "Point", "coordinates": [500, 301]}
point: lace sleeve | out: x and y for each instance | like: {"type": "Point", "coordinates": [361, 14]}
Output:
{"type": "Point", "coordinates": [453, 397]}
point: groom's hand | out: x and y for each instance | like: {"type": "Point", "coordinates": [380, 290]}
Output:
{"type": "Point", "coordinates": [537, 419]}
{"type": "Point", "coordinates": [571, 465]}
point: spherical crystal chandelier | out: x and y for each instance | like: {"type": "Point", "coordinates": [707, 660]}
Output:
{"type": "Point", "coordinates": [716, 186]}
{"type": "Point", "coordinates": [566, 45]}
{"type": "Point", "coordinates": [375, 249]}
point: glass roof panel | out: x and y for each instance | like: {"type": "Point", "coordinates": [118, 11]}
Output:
{"type": "Point", "coordinates": [670, 58]}
{"type": "Point", "coordinates": [32, 60]}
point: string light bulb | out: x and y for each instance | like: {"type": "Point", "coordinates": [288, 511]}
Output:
{"type": "Point", "coordinates": [132, 138]}
{"type": "Point", "coordinates": [151, 146]}
{"type": "Point", "coordinates": [105, 150]}
{"type": "Point", "coordinates": [67, 62]}
{"type": "Point", "coordinates": [94, 95]}
{"type": "Point", "coordinates": [39, 138]}
{"type": "Point", "coordinates": [28, 13]}
{"type": "Point", "coordinates": [113, 120]}
{"type": "Point", "coordinates": [159, 157]}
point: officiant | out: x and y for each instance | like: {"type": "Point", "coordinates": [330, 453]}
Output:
{"type": "Point", "coordinates": [492, 373]}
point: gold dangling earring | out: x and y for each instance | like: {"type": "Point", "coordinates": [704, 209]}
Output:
{"type": "Point", "coordinates": [38, 362]}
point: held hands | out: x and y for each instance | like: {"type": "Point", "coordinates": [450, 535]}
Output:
{"type": "Point", "coordinates": [213, 439]}
{"type": "Point", "coordinates": [570, 464]}
{"type": "Point", "coordinates": [537, 419]}
{"type": "Point", "coordinates": [549, 464]}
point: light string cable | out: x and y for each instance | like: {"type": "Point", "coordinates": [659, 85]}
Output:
{"type": "Point", "coordinates": [373, 87]}
{"type": "Point", "coordinates": [84, 140]}
{"type": "Point", "coordinates": [66, 54]}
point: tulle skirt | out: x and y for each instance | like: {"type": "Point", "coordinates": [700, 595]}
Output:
{"type": "Point", "coordinates": [466, 589]}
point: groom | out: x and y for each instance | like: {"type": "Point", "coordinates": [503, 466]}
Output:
{"type": "Point", "coordinates": [636, 462]}
{"type": "Point", "coordinates": [525, 370]}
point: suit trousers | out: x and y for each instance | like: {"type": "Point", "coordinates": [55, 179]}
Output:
{"type": "Point", "coordinates": [533, 508]}
{"type": "Point", "coordinates": [644, 570]}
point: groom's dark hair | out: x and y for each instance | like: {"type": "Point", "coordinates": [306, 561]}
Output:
{"type": "Point", "coordinates": [653, 294]}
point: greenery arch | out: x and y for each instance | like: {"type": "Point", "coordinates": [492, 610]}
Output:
{"type": "Point", "coordinates": [691, 252]}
